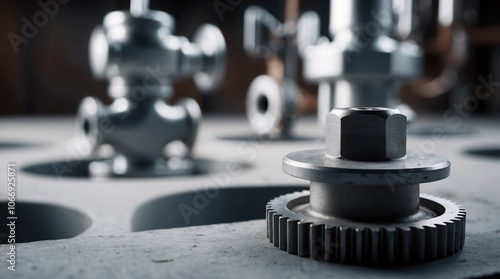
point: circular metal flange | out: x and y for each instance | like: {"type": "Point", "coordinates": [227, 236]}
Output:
{"type": "Point", "coordinates": [211, 42]}
{"type": "Point", "coordinates": [437, 231]}
{"type": "Point", "coordinates": [87, 121]}
{"type": "Point", "coordinates": [314, 165]}
{"type": "Point", "coordinates": [270, 106]}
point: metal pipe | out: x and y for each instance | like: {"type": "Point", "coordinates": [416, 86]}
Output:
{"type": "Point", "coordinates": [138, 7]}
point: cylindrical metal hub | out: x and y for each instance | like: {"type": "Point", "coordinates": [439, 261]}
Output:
{"type": "Point", "coordinates": [365, 203]}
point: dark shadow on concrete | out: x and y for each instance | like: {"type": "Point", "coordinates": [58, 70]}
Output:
{"type": "Point", "coordinates": [36, 221]}
{"type": "Point", "coordinates": [16, 145]}
{"type": "Point", "coordinates": [206, 207]}
{"type": "Point", "coordinates": [488, 152]}
{"type": "Point", "coordinates": [80, 169]}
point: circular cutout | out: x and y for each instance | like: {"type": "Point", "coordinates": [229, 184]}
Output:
{"type": "Point", "coordinates": [262, 104]}
{"type": "Point", "coordinates": [80, 168]}
{"type": "Point", "coordinates": [86, 127]}
{"type": "Point", "coordinates": [36, 221]}
{"type": "Point", "coordinates": [15, 145]}
{"type": "Point", "coordinates": [205, 207]}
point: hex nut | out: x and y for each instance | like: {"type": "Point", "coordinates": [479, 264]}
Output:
{"type": "Point", "coordinates": [366, 134]}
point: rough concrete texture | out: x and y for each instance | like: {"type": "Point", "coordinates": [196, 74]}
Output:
{"type": "Point", "coordinates": [235, 250]}
{"type": "Point", "coordinates": [108, 249]}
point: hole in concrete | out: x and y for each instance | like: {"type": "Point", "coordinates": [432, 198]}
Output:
{"type": "Point", "coordinates": [37, 221]}
{"type": "Point", "coordinates": [492, 152]}
{"type": "Point", "coordinates": [80, 168]}
{"type": "Point", "coordinates": [262, 104]}
{"type": "Point", "coordinates": [13, 145]}
{"type": "Point", "coordinates": [207, 207]}
{"type": "Point", "coordinates": [495, 275]}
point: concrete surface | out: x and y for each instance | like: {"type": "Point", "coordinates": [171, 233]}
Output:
{"type": "Point", "coordinates": [109, 248]}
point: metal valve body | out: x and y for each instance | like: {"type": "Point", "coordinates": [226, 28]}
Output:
{"type": "Point", "coordinates": [272, 100]}
{"type": "Point", "coordinates": [140, 57]}
{"type": "Point", "coordinates": [362, 65]}
{"type": "Point", "coordinates": [364, 204]}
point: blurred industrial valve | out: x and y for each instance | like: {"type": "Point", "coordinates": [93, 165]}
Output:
{"type": "Point", "coordinates": [363, 64]}
{"type": "Point", "coordinates": [273, 98]}
{"type": "Point", "coordinates": [138, 54]}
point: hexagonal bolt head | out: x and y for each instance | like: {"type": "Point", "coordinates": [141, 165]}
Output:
{"type": "Point", "coordinates": [366, 134]}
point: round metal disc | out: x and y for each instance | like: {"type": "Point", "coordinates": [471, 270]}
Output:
{"type": "Point", "coordinates": [314, 165]}
{"type": "Point", "coordinates": [211, 41]}
{"type": "Point", "coordinates": [87, 121]}
{"type": "Point", "coordinates": [267, 106]}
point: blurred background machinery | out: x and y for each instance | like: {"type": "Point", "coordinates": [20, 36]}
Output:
{"type": "Point", "coordinates": [39, 76]}
{"type": "Point", "coordinates": [45, 71]}
{"type": "Point", "coordinates": [138, 54]}
{"type": "Point", "coordinates": [363, 65]}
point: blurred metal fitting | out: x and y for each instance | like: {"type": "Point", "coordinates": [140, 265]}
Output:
{"type": "Point", "coordinates": [271, 106]}
{"type": "Point", "coordinates": [138, 54]}
{"type": "Point", "coordinates": [140, 50]}
{"type": "Point", "coordinates": [363, 65]}
{"type": "Point", "coordinates": [139, 132]}
{"type": "Point", "coordinates": [272, 101]}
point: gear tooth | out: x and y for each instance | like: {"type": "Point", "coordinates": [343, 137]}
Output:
{"type": "Point", "coordinates": [303, 239]}
{"type": "Point", "coordinates": [344, 240]}
{"type": "Point", "coordinates": [329, 242]}
{"type": "Point", "coordinates": [270, 224]}
{"type": "Point", "coordinates": [374, 245]}
{"type": "Point", "coordinates": [442, 237]}
{"type": "Point", "coordinates": [403, 237]}
{"type": "Point", "coordinates": [450, 238]}
{"type": "Point", "coordinates": [359, 241]}
{"type": "Point", "coordinates": [418, 244]}
{"type": "Point", "coordinates": [283, 233]}
{"type": "Point", "coordinates": [458, 222]}
{"type": "Point", "coordinates": [276, 229]}
{"type": "Point", "coordinates": [464, 221]}
{"type": "Point", "coordinates": [332, 244]}
{"type": "Point", "coordinates": [431, 238]}
{"type": "Point", "coordinates": [292, 236]}
{"type": "Point", "coordinates": [388, 246]}
{"type": "Point", "coordinates": [317, 241]}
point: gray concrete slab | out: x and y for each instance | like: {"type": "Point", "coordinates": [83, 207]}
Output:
{"type": "Point", "coordinates": [108, 249]}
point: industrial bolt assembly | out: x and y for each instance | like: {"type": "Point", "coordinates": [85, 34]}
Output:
{"type": "Point", "coordinates": [364, 205]}
{"type": "Point", "coordinates": [137, 52]}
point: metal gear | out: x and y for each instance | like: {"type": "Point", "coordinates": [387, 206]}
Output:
{"type": "Point", "coordinates": [437, 232]}
{"type": "Point", "coordinates": [364, 205]}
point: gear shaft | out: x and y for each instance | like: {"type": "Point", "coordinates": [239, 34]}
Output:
{"type": "Point", "coordinates": [364, 204]}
